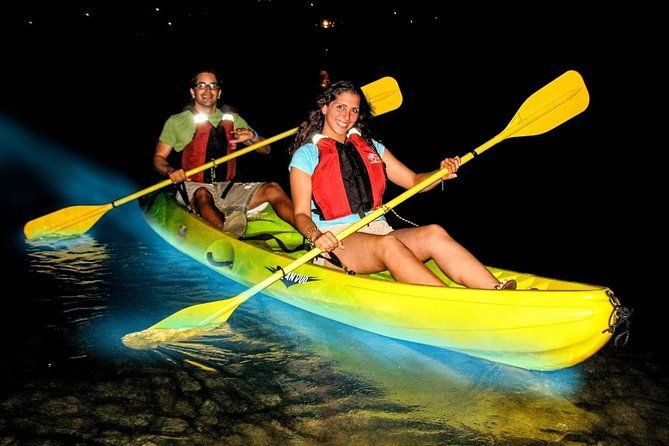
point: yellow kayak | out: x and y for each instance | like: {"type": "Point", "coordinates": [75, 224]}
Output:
{"type": "Point", "coordinates": [546, 324]}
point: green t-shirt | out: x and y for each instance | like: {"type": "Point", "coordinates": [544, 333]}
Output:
{"type": "Point", "coordinates": [179, 129]}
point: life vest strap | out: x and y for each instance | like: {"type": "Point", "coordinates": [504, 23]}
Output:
{"type": "Point", "coordinates": [228, 187]}
{"type": "Point", "coordinates": [181, 190]}
{"type": "Point", "coordinates": [284, 248]}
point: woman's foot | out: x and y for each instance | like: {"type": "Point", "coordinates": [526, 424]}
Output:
{"type": "Point", "coordinates": [506, 285]}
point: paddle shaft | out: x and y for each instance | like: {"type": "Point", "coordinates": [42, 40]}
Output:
{"type": "Point", "coordinates": [210, 164]}
{"type": "Point", "coordinates": [383, 95]}
{"type": "Point", "coordinates": [87, 216]}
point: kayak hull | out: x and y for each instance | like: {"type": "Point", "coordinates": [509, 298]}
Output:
{"type": "Point", "coordinates": [556, 325]}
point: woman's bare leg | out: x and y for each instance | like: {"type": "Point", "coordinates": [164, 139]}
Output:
{"type": "Point", "coordinates": [367, 253]}
{"type": "Point", "coordinates": [433, 242]}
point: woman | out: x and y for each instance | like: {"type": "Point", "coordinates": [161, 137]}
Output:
{"type": "Point", "coordinates": [338, 174]}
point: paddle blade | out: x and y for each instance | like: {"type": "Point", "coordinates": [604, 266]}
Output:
{"type": "Point", "coordinates": [67, 222]}
{"type": "Point", "coordinates": [557, 102]}
{"type": "Point", "coordinates": [201, 314]}
{"type": "Point", "coordinates": [383, 95]}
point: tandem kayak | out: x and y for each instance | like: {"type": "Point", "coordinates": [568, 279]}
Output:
{"type": "Point", "coordinates": [547, 324]}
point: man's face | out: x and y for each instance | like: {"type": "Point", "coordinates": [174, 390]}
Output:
{"type": "Point", "coordinates": [206, 91]}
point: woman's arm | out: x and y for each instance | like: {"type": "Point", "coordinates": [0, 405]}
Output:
{"type": "Point", "coordinates": [300, 192]}
{"type": "Point", "coordinates": [401, 175]}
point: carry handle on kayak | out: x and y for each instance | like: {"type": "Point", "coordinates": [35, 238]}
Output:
{"type": "Point", "coordinates": [384, 95]}
{"type": "Point", "coordinates": [557, 102]}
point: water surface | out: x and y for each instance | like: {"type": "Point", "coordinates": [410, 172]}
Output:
{"type": "Point", "coordinates": [274, 374]}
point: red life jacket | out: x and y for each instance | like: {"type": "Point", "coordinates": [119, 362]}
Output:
{"type": "Point", "coordinates": [210, 143]}
{"type": "Point", "coordinates": [349, 179]}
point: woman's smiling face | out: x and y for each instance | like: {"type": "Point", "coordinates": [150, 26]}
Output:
{"type": "Point", "coordinates": [341, 115]}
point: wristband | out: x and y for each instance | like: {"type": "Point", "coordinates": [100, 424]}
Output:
{"type": "Point", "coordinates": [311, 231]}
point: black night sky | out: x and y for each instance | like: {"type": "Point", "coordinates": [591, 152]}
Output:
{"type": "Point", "coordinates": [101, 78]}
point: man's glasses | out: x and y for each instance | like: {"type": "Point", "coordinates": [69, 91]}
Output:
{"type": "Point", "coordinates": [204, 85]}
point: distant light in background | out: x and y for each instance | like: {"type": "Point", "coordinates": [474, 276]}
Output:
{"type": "Point", "coordinates": [327, 23]}
{"type": "Point", "coordinates": [184, 16]}
{"type": "Point", "coordinates": [325, 79]}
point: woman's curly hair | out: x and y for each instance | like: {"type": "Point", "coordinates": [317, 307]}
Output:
{"type": "Point", "coordinates": [316, 120]}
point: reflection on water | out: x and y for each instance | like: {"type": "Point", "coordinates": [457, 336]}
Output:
{"type": "Point", "coordinates": [170, 337]}
{"type": "Point", "coordinates": [275, 374]}
{"type": "Point", "coordinates": [80, 271]}
{"type": "Point", "coordinates": [448, 394]}
{"type": "Point", "coordinates": [69, 259]}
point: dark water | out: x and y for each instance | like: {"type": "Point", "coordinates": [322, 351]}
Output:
{"type": "Point", "coordinates": [274, 374]}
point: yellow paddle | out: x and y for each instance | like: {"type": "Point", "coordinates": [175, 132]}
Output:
{"type": "Point", "coordinates": [557, 102]}
{"type": "Point", "coordinates": [383, 95]}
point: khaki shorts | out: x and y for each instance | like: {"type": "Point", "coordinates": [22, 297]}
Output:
{"type": "Point", "coordinates": [237, 199]}
{"type": "Point", "coordinates": [377, 227]}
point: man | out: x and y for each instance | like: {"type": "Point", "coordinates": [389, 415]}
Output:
{"type": "Point", "coordinates": [202, 133]}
